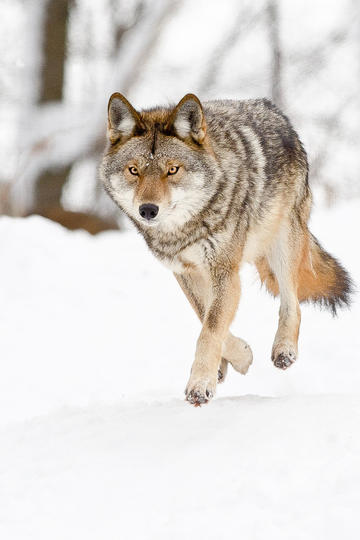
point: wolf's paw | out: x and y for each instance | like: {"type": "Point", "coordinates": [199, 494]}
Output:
{"type": "Point", "coordinates": [199, 392]}
{"type": "Point", "coordinates": [283, 356]}
{"type": "Point", "coordinates": [238, 353]}
{"type": "Point", "coordinates": [222, 371]}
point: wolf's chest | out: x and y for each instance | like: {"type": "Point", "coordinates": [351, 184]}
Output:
{"type": "Point", "coordinates": [193, 256]}
{"type": "Point", "coordinates": [190, 252]}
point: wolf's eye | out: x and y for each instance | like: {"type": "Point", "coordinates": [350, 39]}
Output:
{"type": "Point", "coordinates": [173, 170]}
{"type": "Point", "coordinates": [134, 171]}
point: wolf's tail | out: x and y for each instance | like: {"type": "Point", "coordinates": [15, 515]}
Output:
{"type": "Point", "coordinates": [322, 279]}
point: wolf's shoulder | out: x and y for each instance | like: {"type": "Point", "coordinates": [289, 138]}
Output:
{"type": "Point", "coordinates": [259, 112]}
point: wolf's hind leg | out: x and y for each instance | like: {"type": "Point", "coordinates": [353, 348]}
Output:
{"type": "Point", "coordinates": [235, 350]}
{"type": "Point", "coordinates": [284, 260]}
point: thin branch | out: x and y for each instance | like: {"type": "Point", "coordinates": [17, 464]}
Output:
{"type": "Point", "coordinates": [272, 12]}
{"type": "Point", "coordinates": [244, 22]}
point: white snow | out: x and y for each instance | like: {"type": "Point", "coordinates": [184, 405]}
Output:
{"type": "Point", "coordinates": [96, 440]}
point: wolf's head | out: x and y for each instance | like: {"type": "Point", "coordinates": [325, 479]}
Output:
{"type": "Point", "coordinates": [158, 162]}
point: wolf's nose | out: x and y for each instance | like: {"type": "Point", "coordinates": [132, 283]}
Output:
{"type": "Point", "coordinates": [148, 211]}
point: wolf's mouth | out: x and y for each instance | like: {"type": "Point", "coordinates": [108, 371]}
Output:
{"type": "Point", "coordinates": [152, 223]}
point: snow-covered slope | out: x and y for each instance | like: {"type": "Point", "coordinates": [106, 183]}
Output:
{"type": "Point", "coordinates": [96, 440]}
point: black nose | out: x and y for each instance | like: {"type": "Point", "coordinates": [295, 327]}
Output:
{"type": "Point", "coordinates": [148, 211]}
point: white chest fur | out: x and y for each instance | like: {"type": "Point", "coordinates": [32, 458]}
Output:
{"type": "Point", "coordinates": [192, 256]}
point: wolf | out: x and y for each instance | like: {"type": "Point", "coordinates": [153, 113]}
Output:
{"type": "Point", "coordinates": [211, 186]}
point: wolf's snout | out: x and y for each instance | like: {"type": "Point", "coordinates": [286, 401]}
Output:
{"type": "Point", "coordinates": [148, 211]}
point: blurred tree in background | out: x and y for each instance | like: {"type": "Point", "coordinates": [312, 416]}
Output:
{"type": "Point", "coordinates": [63, 58]}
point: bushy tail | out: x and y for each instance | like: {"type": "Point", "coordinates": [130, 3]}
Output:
{"type": "Point", "coordinates": [322, 279]}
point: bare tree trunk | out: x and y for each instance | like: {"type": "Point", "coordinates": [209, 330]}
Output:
{"type": "Point", "coordinates": [52, 77]}
{"type": "Point", "coordinates": [276, 89]}
{"type": "Point", "coordinates": [5, 205]}
{"type": "Point", "coordinates": [48, 187]}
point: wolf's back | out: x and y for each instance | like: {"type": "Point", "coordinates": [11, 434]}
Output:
{"type": "Point", "coordinates": [263, 133]}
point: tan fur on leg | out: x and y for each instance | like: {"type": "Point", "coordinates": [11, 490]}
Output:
{"type": "Point", "coordinates": [224, 285]}
{"type": "Point", "coordinates": [235, 350]}
{"type": "Point", "coordinates": [284, 259]}
{"type": "Point", "coordinates": [238, 353]}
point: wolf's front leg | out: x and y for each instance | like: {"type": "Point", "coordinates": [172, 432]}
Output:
{"type": "Point", "coordinates": [198, 290]}
{"type": "Point", "coordinates": [224, 294]}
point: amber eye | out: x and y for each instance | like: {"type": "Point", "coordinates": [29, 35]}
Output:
{"type": "Point", "coordinates": [173, 170]}
{"type": "Point", "coordinates": [134, 171]}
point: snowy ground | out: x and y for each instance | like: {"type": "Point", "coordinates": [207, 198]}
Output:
{"type": "Point", "coordinates": [96, 440]}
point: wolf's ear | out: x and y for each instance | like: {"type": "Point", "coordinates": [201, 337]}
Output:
{"type": "Point", "coordinates": [123, 120]}
{"type": "Point", "coordinates": [187, 119]}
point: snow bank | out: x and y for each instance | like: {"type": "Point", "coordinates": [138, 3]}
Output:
{"type": "Point", "coordinates": [96, 440]}
{"type": "Point", "coordinates": [244, 467]}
